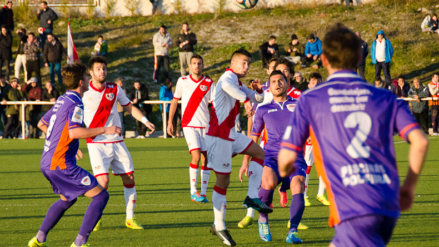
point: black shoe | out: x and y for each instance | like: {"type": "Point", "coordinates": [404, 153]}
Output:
{"type": "Point", "coordinates": [258, 205]}
{"type": "Point", "coordinates": [223, 235]}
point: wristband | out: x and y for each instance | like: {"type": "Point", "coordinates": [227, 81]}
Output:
{"type": "Point", "coordinates": [144, 120]}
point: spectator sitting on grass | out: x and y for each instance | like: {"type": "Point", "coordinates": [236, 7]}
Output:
{"type": "Point", "coordinates": [420, 108]}
{"type": "Point", "coordinates": [313, 50]}
{"type": "Point", "coordinates": [379, 82]}
{"type": "Point", "coordinates": [400, 88]}
{"type": "Point", "coordinates": [269, 50]}
{"type": "Point", "coordinates": [101, 47]}
{"type": "Point", "coordinates": [299, 82]}
{"type": "Point", "coordinates": [294, 49]}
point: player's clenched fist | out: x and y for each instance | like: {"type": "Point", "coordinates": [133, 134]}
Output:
{"type": "Point", "coordinates": [112, 130]}
{"type": "Point", "coordinates": [150, 126]}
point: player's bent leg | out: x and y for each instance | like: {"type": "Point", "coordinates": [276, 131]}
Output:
{"type": "Point", "coordinates": [54, 214]}
{"type": "Point", "coordinates": [205, 175]}
{"type": "Point", "coordinates": [94, 212]}
{"type": "Point", "coordinates": [130, 194]}
{"type": "Point", "coordinates": [269, 183]}
{"type": "Point", "coordinates": [103, 180]}
{"type": "Point", "coordinates": [297, 207]}
{"type": "Point", "coordinates": [255, 151]}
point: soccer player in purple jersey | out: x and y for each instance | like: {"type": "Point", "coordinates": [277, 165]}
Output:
{"type": "Point", "coordinates": [63, 127]}
{"type": "Point", "coordinates": [351, 124]}
{"type": "Point", "coordinates": [273, 118]}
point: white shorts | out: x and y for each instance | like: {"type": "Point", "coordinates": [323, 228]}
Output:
{"type": "Point", "coordinates": [106, 155]}
{"type": "Point", "coordinates": [195, 138]}
{"type": "Point", "coordinates": [309, 158]}
{"type": "Point", "coordinates": [220, 152]}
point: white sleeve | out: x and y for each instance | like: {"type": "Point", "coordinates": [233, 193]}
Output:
{"type": "Point", "coordinates": [212, 92]}
{"type": "Point", "coordinates": [230, 87]}
{"type": "Point", "coordinates": [253, 95]}
{"type": "Point", "coordinates": [122, 97]}
{"type": "Point", "coordinates": [178, 90]}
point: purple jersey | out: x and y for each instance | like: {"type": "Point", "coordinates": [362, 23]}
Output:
{"type": "Point", "coordinates": [351, 124]}
{"type": "Point", "coordinates": [59, 149]}
{"type": "Point", "coordinates": [274, 118]}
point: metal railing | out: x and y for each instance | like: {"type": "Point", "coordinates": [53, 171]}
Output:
{"type": "Point", "coordinates": [148, 102]}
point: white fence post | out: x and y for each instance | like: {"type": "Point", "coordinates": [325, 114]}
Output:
{"type": "Point", "coordinates": [165, 121]}
{"type": "Point", "coordinates": [23, 122]}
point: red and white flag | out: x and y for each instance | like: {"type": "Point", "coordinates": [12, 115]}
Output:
{"type": "Point", "coordinates": [72, 54]}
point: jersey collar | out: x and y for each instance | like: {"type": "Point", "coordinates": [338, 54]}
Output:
{"type": "Point", "coordinates": [91, 85]}
{"type": "Point", "coordinates": [73, 93]}
{"type": "Point", "coordinates": [345, 75]}
{"type": "Point", "coordinates": [202, 78]}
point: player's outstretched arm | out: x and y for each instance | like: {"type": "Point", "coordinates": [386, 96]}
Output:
{"type": "Point", "coordinates": [172, 109]}
{"type": "Point", "coordinates": [417, 155]}
{"type": "Point", "coordinates": [138, 115]}
{"type": "Point", "coordinates": [82, 133]}
{"type": "Point", "coordinates": [286, 159]}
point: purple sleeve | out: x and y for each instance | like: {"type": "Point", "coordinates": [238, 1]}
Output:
{"type": "Point", "coordinates": [404, 122]}
{"type": "Point", "coordinates": [297, 132]}
{"type": "Point", "coordinates": [46, 118]}
{"type": "Point", "coordinates": [76, 116]}
{"type": "Point", "coordinates": [258, 123]}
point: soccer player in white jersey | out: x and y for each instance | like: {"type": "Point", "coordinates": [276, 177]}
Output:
{"type": "Point", "coordinates": [223, 141]}
{"type": "Point", "coordinates": [196, 91]}
{"type": "Point", "coordinates": [100, 110]}
{"type": "Point", "coordinates": [314, 79]}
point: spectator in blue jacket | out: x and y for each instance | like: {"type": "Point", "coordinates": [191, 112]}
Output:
{"type": "Point", "coordinates": [313, 50]}
{"type": "Point", "coordinates": [381, 53]}
{"type": "Point", "coordinates": [167, 95]}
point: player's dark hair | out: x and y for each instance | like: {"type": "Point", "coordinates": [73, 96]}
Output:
{"type": "Point", "coordinates": [315, 75]}
{"type": "Point", "coordinates": [342, 48]}
{"type": "Point", "coordinates": [272, 37]}
{"type": "Point", "coordinates": [400, 77]}
{"type": "Point", "coordinates": [286, 62]}
{"type": "Point", "coordinates": [278, 72]}
{"type": "Point", "coordinates": [197, 57]}
{"type": "Point", "coordinates": [163, 26]}
{"type": "Point", "coordinates": [242, 52]}
{"type": "Point", "coordinates": [72, 74]}
{"type": "Point", "coordinates": [435, 73]}
{"type": "Point", "coordinates": [94, 60]}
{"type": "Point", "coordinates": [378, 78]}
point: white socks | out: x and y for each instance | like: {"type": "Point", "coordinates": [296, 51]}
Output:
{"type": "Point", "coordinates": [254, 177]}
{"type": "Point", "coordinates": [205, 175]}
{"type": "Point", "coordinates": [306, 185]}
{"type": "Point", "coordinates": [193, 175]}
{"type": "Point", "coordinates": [322, 187]}
{"type": "Point", "coordinates": [251, 212]}
{"type": "Point", "coordinates": [219, 207]}
{"type": "Point", "coordinates": [130, 199]}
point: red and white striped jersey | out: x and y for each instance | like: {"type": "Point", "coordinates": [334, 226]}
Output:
{"type": "Point", "coordinates": [195, 97]}
{"type": "Point", "coordinates": [229, 93]}
{"type": "Point", "coordinates": [100, 110]}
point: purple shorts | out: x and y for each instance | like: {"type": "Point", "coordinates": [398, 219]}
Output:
{"type": "Point", "coordinates": [70, 182]}
{"type": "Point", "coordinates": [369, 230]}
{"type": "Point", "coordinates": [299, 164]}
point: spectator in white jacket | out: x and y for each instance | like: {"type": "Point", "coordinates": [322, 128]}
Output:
{"type": "Point", "coordinates": [161, 41]}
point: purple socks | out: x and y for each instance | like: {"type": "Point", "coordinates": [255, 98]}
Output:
{"type": "Point", "coordinates": [266, 197]}
{"type": "Point", "coordinates": [296, 211]}
{"type": "Point", "coordinates": [54, 214]}
{"type": "Point", "coordinates": [92, 216]}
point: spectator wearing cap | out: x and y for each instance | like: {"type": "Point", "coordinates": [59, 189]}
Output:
{"type": "Point", "coordinates": [20, 60]}
{"type": "Point", "coordinates": [381, 53]}
{"type": "Point", "coordinates": [32, 51]}
{"type": "Point", "coordinates": [46, 16]}
{"type": "Point", "coordinates": [5, 50]}
{"type": "Point", "coordinates": [34, 93]}
{"type": "Point", "coordinates": [120, 108]}
{"type": "Point", "coordinates": [419, 108]}
{"type": "Point", "coordinates": [364, 52]}
{"type": "Point", "coordinates": [52, 55]}
{"type": "Point", "coordinates": [101, 47]}
{"type": "Point", "coordinates": [186, 42]}
{"type": "Point", "coordinates": [14, 94]}
{"type": "Point", "coordinates": [7, 16]}
{"type": "Point", "coordinates": [269, 50]}
{"type": "Point", "coordinates": [313, 51]}
{"type": "Point", "coordinates": [299, 82]}
{"type": "Point", "coordinates": [294, 49]}
{"type": "Point", "coordinates": [161, 41]}
{"type": "Point", "coordinates": [50, 94]}
{"type": "Point", "coordinates": [400, 88]}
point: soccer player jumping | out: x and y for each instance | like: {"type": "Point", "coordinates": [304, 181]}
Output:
{"type": "Point", "coordinates": [62, 125]}
{"type": "Point", "coordinates": [100, 105]}
{"type": "Point", "coordinates": [196, 92]}
{"type": "Point", "coordinates": [274, 118]}
{"type": "Point", "coordinates": [351, 124]}
{"type": "Point", "coordinates": [223, 141]}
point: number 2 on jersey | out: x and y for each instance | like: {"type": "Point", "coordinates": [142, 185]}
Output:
{"type": "Point", "coordinates": [356, 149]}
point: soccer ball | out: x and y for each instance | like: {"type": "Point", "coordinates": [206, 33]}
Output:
{"type": "Point", "coordinates": [246, 4]}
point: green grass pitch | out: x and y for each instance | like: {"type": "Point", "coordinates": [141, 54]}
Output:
{"type": "Point", "coordinates": [164, 207]}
